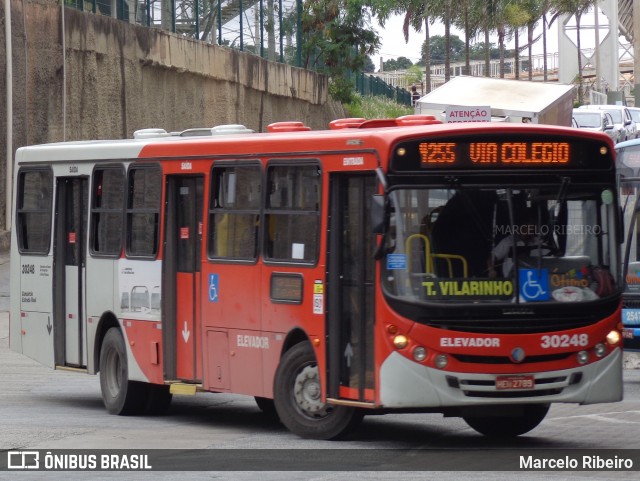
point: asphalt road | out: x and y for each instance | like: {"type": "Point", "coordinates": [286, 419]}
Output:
{"type": "Point", "coordinates": [45, 410]}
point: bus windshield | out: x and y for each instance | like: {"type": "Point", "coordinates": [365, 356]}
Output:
{"type": "Point", "coordinates": [552, 243]}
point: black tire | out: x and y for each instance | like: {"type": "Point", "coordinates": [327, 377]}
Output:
{"type": "Point", "coordinates": [298, 402]}
{"type": "Point", "coordinates": [120, 396]}
{"type": "Point", "coordinates": [509, 426]}
{"type": "Point", "coordinates": [158, 399]}
{"type": "Point", "coordinates": [267, 406]}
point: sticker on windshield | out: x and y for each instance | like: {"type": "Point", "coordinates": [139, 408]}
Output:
{"type": "Point", "coordinates": [397, 262]}
{"type": "Point", "coordinates": [534, 285]}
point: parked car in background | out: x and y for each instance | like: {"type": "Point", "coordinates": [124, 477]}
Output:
{"type": "Point", "coordinates": [621, 118]}
{"type": "Point", "coordinates": [597, 121]}
{"type": "Point", "coordinates": [635, 115]}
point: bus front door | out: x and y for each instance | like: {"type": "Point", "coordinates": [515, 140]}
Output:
{"type": "Point", "coordinates": [350, 293]}
{"type": "Point", "coordinates": [69, 271]}
{"type": "Point", "coordinates": [181, 272]}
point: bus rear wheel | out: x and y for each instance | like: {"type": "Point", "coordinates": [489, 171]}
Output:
{"type": "Point", "coordinates": [120, 396]}
{"type": "Point", "coordinates": [298, 398]}
{"type": "Point", "coordinates": [509, 426]}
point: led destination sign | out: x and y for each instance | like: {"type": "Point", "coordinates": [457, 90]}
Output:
{"type": "Point", "coordinates": [502, 152]}
{"type": "Point", "coordinates": [505, 153]}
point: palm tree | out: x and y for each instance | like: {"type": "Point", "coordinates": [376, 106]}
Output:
{"type": "Point", "coordinates": [524, 13]}
{"type": "Point", "coordinates": [517, 17]}
{"type": "Point", "coordinates": [446, 18]}
{"type": "Point", "coordinates": [416, 12]}
{"type": "Point", "coordinates": [536, 9]}
{"type": "Point", "coordinates": [490, 14]}
{"type": "Point", "coordinates": [469, 22]}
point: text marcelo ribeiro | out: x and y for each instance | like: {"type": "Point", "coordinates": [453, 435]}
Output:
{"type": "Point", "coordinates": [579, 462]}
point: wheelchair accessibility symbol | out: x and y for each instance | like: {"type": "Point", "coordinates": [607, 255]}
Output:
{"type": "Point", "coordinates": [213, 287]}
{"type": "Point", "coordinates": [534, 285]}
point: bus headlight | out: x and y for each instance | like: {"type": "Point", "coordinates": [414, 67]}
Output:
{"type": "Point", "coordinates": [400, 341]}
{"type": "Point", "coordinates": [419, 353]}
{"type": "Point", "coordinates": [441, 361]}
{"type": "Point", "coordinates": [583, 357]}
{"type": "Point", "coordinates": [600, 349]}
{"type": "Point", "coordinates": [613, 338]}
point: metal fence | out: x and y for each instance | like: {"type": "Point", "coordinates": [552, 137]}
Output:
{"type": "Point", "coordinates": [268, 28]}
{"type": "Point", "coordinates": [370, 85]}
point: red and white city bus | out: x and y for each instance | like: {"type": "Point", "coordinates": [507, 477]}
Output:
{"type": "Point", "coordinates": [329, 274]}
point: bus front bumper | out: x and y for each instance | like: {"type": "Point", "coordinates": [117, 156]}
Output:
{"type": "Point", "coordinates": [407, 384]}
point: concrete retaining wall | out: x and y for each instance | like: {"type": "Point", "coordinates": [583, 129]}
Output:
{"type": "Point", "coordinates": [120, 77]}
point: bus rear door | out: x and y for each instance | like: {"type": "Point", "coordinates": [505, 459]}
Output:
{"type": "Point", "coordinates": [181, 268]}
{"type": "Point", "coordinates": [69, 271]}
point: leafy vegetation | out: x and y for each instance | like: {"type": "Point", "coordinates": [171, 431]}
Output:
{"type": "Point", "coordinates": [338, 37]}
{"type": "Point", "coordinates": [369, 107]}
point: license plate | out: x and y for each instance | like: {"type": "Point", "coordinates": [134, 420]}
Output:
{"type": "Point", "coordinates": [627, 333]}
{"type": "Point", "coordinates": [506, 383]}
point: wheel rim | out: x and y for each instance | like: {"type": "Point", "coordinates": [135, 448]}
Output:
{"type": "Point", "coordinates": [307, 393]}
{"type": "Point", "coordinates": [113, 373]}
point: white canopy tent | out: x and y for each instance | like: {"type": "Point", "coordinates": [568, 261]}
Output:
{"type": "Point", "coordinates": [510, 100]}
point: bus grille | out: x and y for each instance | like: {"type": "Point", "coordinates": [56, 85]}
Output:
{"type": "Point", "coordinates": [514, 394]}
{"type": "Point", "coordinates": [506, 360]}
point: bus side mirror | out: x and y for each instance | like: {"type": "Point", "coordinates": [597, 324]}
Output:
{"type": "Point", "coordinates": [378, 213]}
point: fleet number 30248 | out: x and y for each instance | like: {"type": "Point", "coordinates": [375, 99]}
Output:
{"type": "Point", "coordinates": [28, 269]}
{"type": "Point", "coordinates": [564, 340]}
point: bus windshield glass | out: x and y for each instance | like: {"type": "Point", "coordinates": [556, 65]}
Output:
{"type": "Point", "coordinates": [554, 243]}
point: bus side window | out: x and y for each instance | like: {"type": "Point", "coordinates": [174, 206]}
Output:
{"type": "Point", "coordinates": [234, 211]}
{"type": "Point", "coordinates": [292, 213]}
{"type": "Point", "coordinates": [143, 210]}
{"type": "Point", "coordinates": [33, 219]}
{"type": "Point", "coordinates": [107, 210]}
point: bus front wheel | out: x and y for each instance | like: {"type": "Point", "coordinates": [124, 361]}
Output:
{"type": "Point", "coordinates": [509, 426]}
{"type": "Point", "coordinates": [298, 398]}
{"type": "Point", "coordinates": [120, 396]}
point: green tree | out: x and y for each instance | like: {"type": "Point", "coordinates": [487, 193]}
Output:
{"type": "Point", "coordinates": [546, 7]}
{"type": "Point", "coordinates": [446, 14]}
{"type": "Point", "coordinates": [438, 49]}
{"type": "Point", "coordinates": [471, 26]}
{"type": "Point", "coordinates": [401, 63]}
{"type": "Point", "coordinates": [414, 75]}
{"type": "Point", "coordinates": [478, 51]}
{"type": "Point", "coordinates": [337, 40]}
{"type": "Point", "coordinates": [369, 66]}
{"type": "Point", "coordinates": [517, 17]}
{"type": "Point", "coordinates": [489, 15]}
{"type": "Point", "coordinates": [536, 9]}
